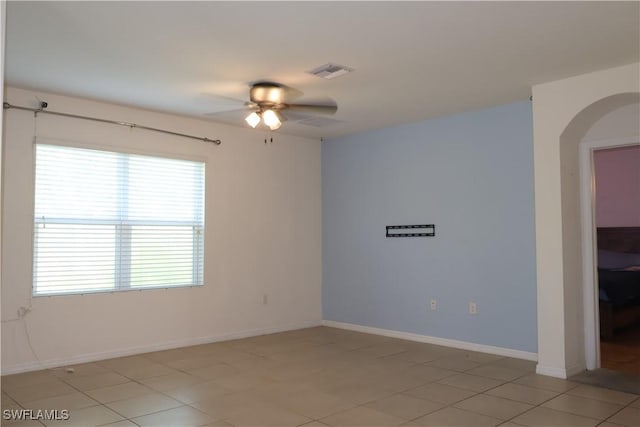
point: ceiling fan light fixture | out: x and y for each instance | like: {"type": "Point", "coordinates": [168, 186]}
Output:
{"type": "Point", "coordinates": [271, 119]}
{"type": "Point", "coordinates": [253, 119]}
{"type": "Point", "coordinates": [276, 126]}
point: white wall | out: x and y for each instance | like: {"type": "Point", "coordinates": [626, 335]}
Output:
{"type": "Point", "coordinates": [620, 123]}
{"type": "Point", "coordinates": [563, 111]}
{"type": "Point", "coordinates": [617, 182]}
{"type": "Point", "coordinates": [263, 236]}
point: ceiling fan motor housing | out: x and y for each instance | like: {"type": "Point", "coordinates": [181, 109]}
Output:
{"type": "Point", "coordinates": [266, 93]}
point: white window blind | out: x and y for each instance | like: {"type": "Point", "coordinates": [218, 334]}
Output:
{"type": "Point", "coordinates": [107, 221]}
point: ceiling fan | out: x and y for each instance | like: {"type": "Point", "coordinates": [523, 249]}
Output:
{"type": "Point", "coordinates": [270, 103]}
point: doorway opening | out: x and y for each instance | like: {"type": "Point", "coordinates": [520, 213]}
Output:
{"type": "Point", "coordinates": [617, 223]}
{"type": "Point", "coordinates": [608, 230]}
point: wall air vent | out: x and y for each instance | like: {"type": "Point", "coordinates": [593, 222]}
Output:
{"type": "Point", "coordinates": [330, 71]}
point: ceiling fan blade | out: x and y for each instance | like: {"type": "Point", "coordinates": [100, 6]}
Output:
{"type": "Point", "coordinates": [235, 113]}
{"type": "Point", "coordinates": [314, 108]}
{"type": "Point", "coordinates": [289, 94]}
{"type": "Point", "coordinates": [219, 103]}
{"type": "Point", "coordinates": [283, 117]}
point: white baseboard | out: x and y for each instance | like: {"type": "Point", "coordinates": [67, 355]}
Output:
{"type": "Point", "coordinates": [464, 345]}
{"type": "Point", "coordinates": [551, 371]}
{"type": "Point", "coordinates": [93, 357]}
{"type": "Point", "coordinates": [564, 373]}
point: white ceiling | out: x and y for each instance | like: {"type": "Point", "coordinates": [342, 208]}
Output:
{"type": "Point", "coordinates": [412, 60]}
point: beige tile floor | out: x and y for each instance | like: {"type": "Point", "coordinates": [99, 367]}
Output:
{"type": "Point", "coordinates": [315, 377]}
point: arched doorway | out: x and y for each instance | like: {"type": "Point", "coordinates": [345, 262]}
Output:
{"type": "Point", "coordinates": [563, 111]}
{"type": "Point", "coordinates": [578, 223]}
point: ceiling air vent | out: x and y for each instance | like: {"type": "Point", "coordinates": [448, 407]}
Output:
{"type": "Point", "coordinates": [330, 71]}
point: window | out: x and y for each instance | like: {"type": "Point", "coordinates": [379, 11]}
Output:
{"type": "Point", "coordinates": [107, 221]}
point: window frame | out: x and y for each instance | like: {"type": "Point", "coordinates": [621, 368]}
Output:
{"type": "Point", "coordinates": [198, 264]}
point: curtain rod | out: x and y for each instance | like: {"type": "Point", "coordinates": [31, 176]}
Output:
{"type": "Point", "coordinates": [43, 105]}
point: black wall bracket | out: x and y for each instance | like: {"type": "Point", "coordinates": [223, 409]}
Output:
{"type": "Point", "coordinates": [419, 230]}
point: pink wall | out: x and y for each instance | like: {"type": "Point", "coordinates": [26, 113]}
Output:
{"type": "Point", "coordinates": [618, 186]}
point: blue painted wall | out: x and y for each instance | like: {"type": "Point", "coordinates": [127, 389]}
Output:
{"type": "Point", "coordinates": [472, 176]}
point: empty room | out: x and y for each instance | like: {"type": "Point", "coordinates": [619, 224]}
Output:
{"type": "Point", "coordinates": [320, 213]}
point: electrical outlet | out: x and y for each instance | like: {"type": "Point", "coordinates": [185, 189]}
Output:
{"type": "Point", "coordinates": [434, 304]}
{"type": "Point", "coordinates": [473, 308]}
